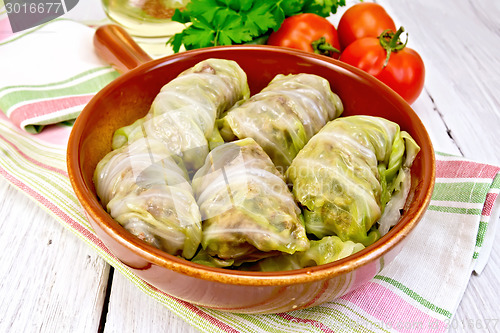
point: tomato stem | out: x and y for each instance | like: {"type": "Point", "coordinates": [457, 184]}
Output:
{"type": "Point", "coordinates": [391, 42]}
{"type": "Point", "coordinates": [321, 46]}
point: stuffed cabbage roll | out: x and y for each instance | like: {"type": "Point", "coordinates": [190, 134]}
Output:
{"type": "Point", "coordinates": [347, 174]}
{"type": "Point", "coordinates": [283, 116]}
{"type": "Point", "coordinates": [323, 251]}
{"type": "Point", "coordinates": [145, 188]}
{"type": "Point", "coordinates": [184, 112]}
{"type": "Point", "coordinates": [247, 209]}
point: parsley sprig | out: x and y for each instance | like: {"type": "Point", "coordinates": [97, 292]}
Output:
{"type": "Point", "coordinates": [228, 22]}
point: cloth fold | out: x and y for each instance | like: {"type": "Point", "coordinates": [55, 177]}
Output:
{"type": "Point", "coordinates": [43, 83]}
{"type": "Point", "coordinates": [418, 292]}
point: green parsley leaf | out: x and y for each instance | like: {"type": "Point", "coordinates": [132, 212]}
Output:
{"type": "Point", "coordinates": [245, 5]}
{"type": "Point", "coordinates": [229, 29]}
{"type": "Point", "coordinates": [176, 41]}
{"type": "Point", "coordinates": [181, 17]}
{"type": "Point", "coordinates": [202, 8]}
{"type": "Point", "coordinates": [260, 19]}
{"type": "Point", "coordinates": [199, 34]}
{"type": "Point", "coordinates": [323, 7]}
{"type": "Point", "coordinates": [292, 7]}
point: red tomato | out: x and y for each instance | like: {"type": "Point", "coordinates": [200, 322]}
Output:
{"type": "Point", "coordinates": [390, 61]}
{"type": "Point", "coordinates": [364, 19]}
{"type": "Point", "coordinates": [307, 32]}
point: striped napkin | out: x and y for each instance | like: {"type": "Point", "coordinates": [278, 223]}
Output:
{"type": "Point", "coordinates": [418, 292]}
{"type": "Point", "coordinates": [42, 83]}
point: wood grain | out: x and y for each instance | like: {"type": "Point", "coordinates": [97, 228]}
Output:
{"type": "Point", "coordinates": [131, 310]}
{"type": "Point", "coordinates": [50, 281]}
{"type": "Point", "coordinates": [459, 43]}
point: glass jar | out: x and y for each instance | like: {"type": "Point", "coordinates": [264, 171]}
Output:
{"type": "Point", "coordinates": [145, 18]}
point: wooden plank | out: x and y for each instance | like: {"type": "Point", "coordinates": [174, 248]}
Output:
{"type": "Point", "coordinates": [459, 43]}
{"type": "Point", "coordinates": [50, 281]}
{"type": "Point", "coordinates": [130, 309]}
{"type": "Point", "coordinates": [462, 99]}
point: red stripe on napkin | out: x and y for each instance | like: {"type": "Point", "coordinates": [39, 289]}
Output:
{"type": "Point", "coordinates": [41, 108]}
{"type": "Point", "coordinates": [488, 205]}
{"type": "Point", "coordinates": [464, 169]}
{"type": "Point", "coordinates": [391, 309]}
{"type": "Point", "coordinates": [219, 323]}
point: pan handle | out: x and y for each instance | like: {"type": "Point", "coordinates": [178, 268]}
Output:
{"type": "Point", "coordinates": [115, 46]}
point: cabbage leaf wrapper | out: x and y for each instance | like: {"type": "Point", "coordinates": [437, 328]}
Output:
{"type": "Point", "coordinates": [323, 251]}
{"type": "Point", "coordinates": [283, 116]}
{"type": "Point", "coordinates": [351, 175]}
{"type": "Point", "coordinates": [145, 188]}
{"type": "Point", "coordinates": [184, 112]}
{"type": "Point", "coordinates": [247, 209]}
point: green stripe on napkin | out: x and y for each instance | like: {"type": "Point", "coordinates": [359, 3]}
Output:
{"type": "Point", "coordinates": [88, 82]}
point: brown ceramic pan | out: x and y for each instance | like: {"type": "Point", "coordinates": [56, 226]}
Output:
{"type": "Point", "coordinates": [129, 97]}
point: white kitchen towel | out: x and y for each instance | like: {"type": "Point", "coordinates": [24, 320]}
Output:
{"type": "Point", "coordinates": [42, 83]}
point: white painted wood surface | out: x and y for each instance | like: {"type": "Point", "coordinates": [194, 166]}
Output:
{"type": "Point", "coordinates": [51, 281]}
